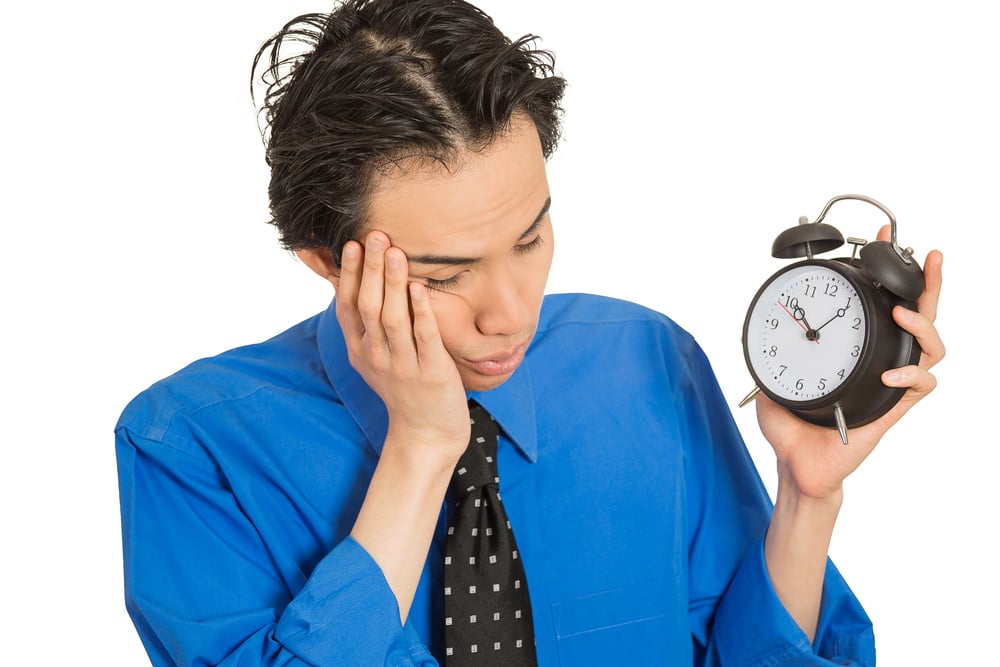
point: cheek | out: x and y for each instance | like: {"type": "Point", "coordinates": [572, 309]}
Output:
{"type": "Point", "coordinates": [534, 286]}
{"type": "Point", "coordinates": [453, 319]}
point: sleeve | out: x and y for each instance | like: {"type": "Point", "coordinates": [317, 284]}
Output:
{"type": "Point", "coordinates": [201, 588]}
{"type": "Point", "coordinates": [736, 616]}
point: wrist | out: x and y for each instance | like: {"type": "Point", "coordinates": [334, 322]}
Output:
{"type": "Point", "coordinates": [421, 452]}
{"type": "Point", "coordinates": [814, 508]}
{"type": "Point", "coordinates": [809, 494]}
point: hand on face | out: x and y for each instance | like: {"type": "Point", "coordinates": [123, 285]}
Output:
{"type": "Point", "coordinates": [813, 457]}
{"type": "Point", "coordinates": [393, 341]}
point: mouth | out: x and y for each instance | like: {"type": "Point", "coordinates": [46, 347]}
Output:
{"type": "Point", "coordinates": [501, 363]}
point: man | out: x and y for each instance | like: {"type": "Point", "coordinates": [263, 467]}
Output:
{"type": "Point", "coordinates": [288, 502]}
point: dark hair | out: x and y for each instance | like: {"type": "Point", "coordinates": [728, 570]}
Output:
{"type": "Point", "coordinates": [380, 81]}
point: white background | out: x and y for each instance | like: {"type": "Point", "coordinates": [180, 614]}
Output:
{"type": "Point", "coordinates": [133, 241]}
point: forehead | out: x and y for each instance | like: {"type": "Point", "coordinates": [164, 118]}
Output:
{"type": "Point", "coordinates": [485, 195]}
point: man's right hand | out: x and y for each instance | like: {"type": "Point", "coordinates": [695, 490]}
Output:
{"type": "Point", "coordinates": [401, 356]}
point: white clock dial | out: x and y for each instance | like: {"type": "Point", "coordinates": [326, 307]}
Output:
{"type": "Point", "coordinates": [805, 333]}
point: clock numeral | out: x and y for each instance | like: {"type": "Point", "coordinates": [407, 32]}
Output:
{"type": "Point", "coordinates": [773, 352]}
{"type": "Point", "coordinates": [831, 289]}
{"type": "Point", "coordinates": [856, 350]}
{"type": "Point", "coordinates": [857, 323]}
{"type": "Point", "coordinates": [799, 384]}
{"type": "Point", "coordinates": [791, 302]}
{"type": "Point", "coordinates": [773, 323]}
{"type": "Point", "coordinates": [841, 373]}
{"type": "Point", "coordinates": [822, 384]}
{"type": "Point", "coordinates": [810, 291]}
{"type": "Point", "coordinates": [783, 369]}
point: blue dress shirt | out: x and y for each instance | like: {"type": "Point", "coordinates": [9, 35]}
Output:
{"type": "Point", "coordinates": [637, 510]}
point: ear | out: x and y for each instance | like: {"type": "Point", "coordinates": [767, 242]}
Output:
{"type": "Point", "coordinates": [320, 260]}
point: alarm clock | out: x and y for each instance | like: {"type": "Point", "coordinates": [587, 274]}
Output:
{"type": "Point", "coordinates": [819, 333]}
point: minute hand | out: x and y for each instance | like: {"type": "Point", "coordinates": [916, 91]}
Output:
{"type": "Point", "coordinates": [840, 313]}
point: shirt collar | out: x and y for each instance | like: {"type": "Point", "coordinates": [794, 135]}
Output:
{"type": "Point", "coordinates": [512, 404]}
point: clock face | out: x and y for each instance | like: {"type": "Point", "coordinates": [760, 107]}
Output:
{"type": "Point", "coordinates": [805, 333]}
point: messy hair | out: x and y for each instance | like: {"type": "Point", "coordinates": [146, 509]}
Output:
{"type": "Point", "coordinates": [378, 81]}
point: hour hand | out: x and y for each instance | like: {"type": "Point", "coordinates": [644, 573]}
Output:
{"type": "Point", "coordinates": [798, 313]}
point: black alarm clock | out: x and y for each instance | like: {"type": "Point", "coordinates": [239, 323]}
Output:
{"type": "Point", "coordinates": [819, 333]}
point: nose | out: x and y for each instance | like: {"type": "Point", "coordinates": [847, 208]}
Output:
{"type": "Point", "coordinates": [501, 310]}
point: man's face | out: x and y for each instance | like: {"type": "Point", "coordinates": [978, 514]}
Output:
{"type": "Point", "coordinates": [479, 235]}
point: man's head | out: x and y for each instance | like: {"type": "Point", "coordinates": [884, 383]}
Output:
{"type": "Point", "coordinates": [419, 119]}
{"type": "Point", "coordinates": [379, 82]}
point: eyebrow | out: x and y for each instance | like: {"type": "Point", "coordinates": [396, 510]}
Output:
{"type": "Point", "coordinates": [448, 260]}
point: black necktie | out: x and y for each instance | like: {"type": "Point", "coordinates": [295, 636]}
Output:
{"type": "Point", "coordinates": [486, 606]}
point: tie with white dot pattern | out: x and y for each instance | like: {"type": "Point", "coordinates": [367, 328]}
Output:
{"type": "Point", "coordinates": [486, 606]}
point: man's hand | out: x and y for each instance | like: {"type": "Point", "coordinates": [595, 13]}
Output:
{"type": "Point", "coordinates": [393, 342]}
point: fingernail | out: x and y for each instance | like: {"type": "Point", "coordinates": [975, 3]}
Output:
{"type": "Point", "coordinates": [892, 377]}
{"type": "Point", "coordinates": [350, 251]}
{"type": "Point", "coordinates": [392, 259]}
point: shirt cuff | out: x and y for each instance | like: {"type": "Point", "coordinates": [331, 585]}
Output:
{"type": "Point", "coordinates": [347, 614]}
{"type": "Point", "coordinates": [753, 628]}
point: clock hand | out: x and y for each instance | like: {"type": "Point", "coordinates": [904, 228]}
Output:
{"type": "Point", "coordinates": [840, 313]}
{"type": "Point", "coordinates": [800, 309]}
{"type": "Point", "coordinates": [811, 334]}
{"type": "Point", "coordinates": [792, 315]}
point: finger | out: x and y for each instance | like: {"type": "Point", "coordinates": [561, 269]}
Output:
{"type": "Point", "coordinates": [927, 303]}
{"type": "Point", "coordinates": [918, 383]}
{"type": "Point", "coordinates": [425, 327]}
{"type": "Point", "coordinates": [912, 377]}
{"type": "Point", "coordinates": [347, 290]}
{"type": "Point", "coordinates": [396, 305]}
{"type": "Point", "coordinates": [884, 233]}
{"type": "Point", "coordinates": [371, 292]}
{"type": "Point", "coordinates": [923, 329]}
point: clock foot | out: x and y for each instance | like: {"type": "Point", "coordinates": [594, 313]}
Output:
{"type": "Point", "coordinates": [838, 415]}
{"type": "Point", "coordinates": [749, 397]}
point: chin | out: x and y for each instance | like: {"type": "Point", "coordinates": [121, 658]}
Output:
{"type": "Point", "coordinates": [481, 383]}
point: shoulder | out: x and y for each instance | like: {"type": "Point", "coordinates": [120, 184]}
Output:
{"type": "Point", "coordinates": [576, 315]}
{"type": "Point", "coordinates": [286, 361]}
{"type": "Point", "coordinates": [611, 357]}
{"type": "Point", "coordinates": [598, 337]}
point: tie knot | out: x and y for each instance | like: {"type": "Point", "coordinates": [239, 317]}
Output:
{"type": "Point", "coordinates": [478, 466]}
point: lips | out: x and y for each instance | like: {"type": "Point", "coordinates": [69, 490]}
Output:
{"type": "Point", "coordinates": [502, 363]}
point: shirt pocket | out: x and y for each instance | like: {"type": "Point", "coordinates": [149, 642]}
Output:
{"type": "Point", "coordinates": [634, 625]}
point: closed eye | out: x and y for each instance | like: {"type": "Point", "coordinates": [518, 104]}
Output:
{"type": "Point", "coordinates": [445, 284]}
{"type": "Point", "coordinates": [525, 248]}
